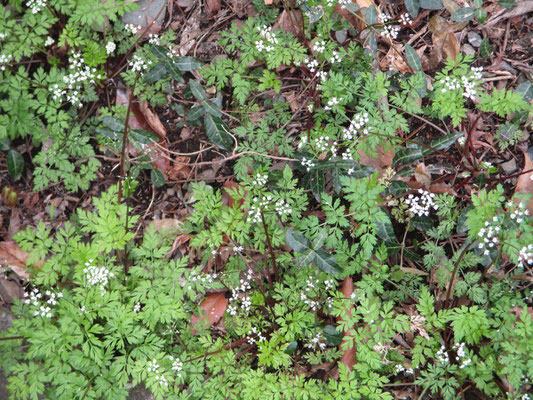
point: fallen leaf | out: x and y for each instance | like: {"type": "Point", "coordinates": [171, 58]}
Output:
{"type": "Point", "coordinates": [422, 175]}
{"type": "Point", "coordinates": [393, 61]}
{"type": "Point", "coordinates": [226, 198]}
{"type": "Point", "coordinates": [153, 121]}
{"type": "Point", "coordinates": [290, 21]}
{"type": "Point", "coordinates": [522, 8]}
{"type": "Point", "coordinates": [12, 256]}
{"type": "Point", "coordinates": [444, 40]}
{"type": "Point", "coordinates": [213, 7]}
{"type": "Point", "coordinates": [348, 357]}
{"type": "Point", "coordinates": [525, 181]}
{"type": "Point", "coordinates": [214, 306]}
{"type": "Point", "coordinates": [179, 170]}
{"type": "Point", "coordinates": [382, 161]}
{"type": "Point", "coordinates": [167, 224]}
{"type": "Point", "coordinates": [9, 290]}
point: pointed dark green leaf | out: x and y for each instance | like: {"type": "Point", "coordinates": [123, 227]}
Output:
{"type": "Point", "coordinates": [314, 13]}
{"type": "Point", "coordinates": [507, 3]}
{"type": "Point", "coordinates": [371, 15]}
{"type": "Point", "coordinates": [160, 52]}
{"type": "Point", "coordinates": [384, 226]}
{"type": "Point", "coordinates": [291, 348]}
{"type": "Point", "coordinates": [143, 136]}
{"type": "Point", "coordinates": [412, 58]}
{"type": "Point", "coordinates": [353, 7]}
{"type": "Point", "coordinates": [431, 4]}
{"type": "Point", "coordinates": [315, 180]}
{"type": "Point", "coordinates": [485, 49]}
{"type": "Point", "coordinates": [371, 45]}
{"type": "Point", "coordinates": [397, 188]}
{"type": "Point", "coordinates": [442, 143]}
{"type": "Point", "coordinates": [197, 90]}
{"type": "Point", "coordinates": [216, 132]}
{"type": "Point", "coordinates": [156, 73]}
{"type": "Point", "coordinates": [114, 124]}
{"type": "Point", "coordinates": [174, 71]}
{"type": "Point", "coordinates": [319, 240]}
{"type": "Point", "coordinates": [186, 64]}
{"type": "Point", "coordinates": [306, 259]}
{"type": "Point", "coordinates": [158, 179]}
{"type": "Point", "coordinates": [109, 133]}
{"type": "Point", "coordinates": [296, 241]}
{"type": "Point", "coordinates": [423, 223]}
{"type": "Point", "coordinates": [326, 262]}
{"type": "Point", "coordinates": [463, 14]}
{"type": "Point", "coordinates": [413, 6]}
{"type": "Point", "coordinates": [15, 164]}
{"type": "Point", "coordinates": [332, 337]}
{"type": "Point", "coordinates": [195, 113]}
{"type": "Point", "coordinates": [4, 143]}
{"type": "Point", "coordinates": [407, 155]}
{"type": "Point", "coordinates": [211, 108]}
{"type": "Point", "coordinates": [480, 15]}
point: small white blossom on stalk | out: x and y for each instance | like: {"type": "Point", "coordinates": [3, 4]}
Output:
{"type": "Point", "coordinates": [134, 29]}
{"type": "Point", "coordinates": [322, 75]}
{"type": "Point", "coordinates": [153, 39]}
{"type": "Point", "coordinates": [260, 180]}
{"type": "Point", "coordinates": [244, 285]}
{"type": "Point", "coordinates": [390, 31]}
{"type": "Point", "coordinates": [357, 125]}
{"type": "Point", "coordinates": [332, 103]}
{"type": "Point", "coordinates": [177, 365]}
{"type": "Point", "coordinates": [153, 366]}
{"type": "Point", "coordinates": [282, 208]}
{"type": "Point", "coordinates": [421, 205]}
{"type": "Point", "coordinates": [3, 35]}
{"type": "Point", "coordinates": [97, 276]}
{"type": "Point", "coordinates": [137, 308]}
{"type": "Point", "coordinates": [462, 140]}
{"type": "Point", "coordinates": [36, 5]}
{"type": "Point", "coordinates": [317, 341]}
{"type": "Point", "coordinates": [335, 58]}
{"type": "Point", "coordinates": [162, 380]}
{"type": "Point", "coordinates": [308, 164]}
{"type": "Point", "coordinates": [405, 19]}
{"type": "Point", "coordinates": [110, 47]}
{"type": "Point", "coordinates": [347, 155]}
{"type": "Point", "coordinates": [303, 142]}
{"type": "Point", "coordinates": [525, 256]}
{"type": "Point", "coordinates": [461, 355]}
{"type": "Point", "coordinates": [269, 37]}
{"type": "Point", "coordinates": [519, 213]}
{"type": "Point", "coordinates": [488, 235]}
{"type": "Point", "coordinates": [4, 59]}
{"type": "Point", "coordinates": [238, 249]}
{"type": "Point", "coordinates": [321, 143]}
{"type": "Point", "coordinates": [254, 214]}
{"type": "Point", "coordinates": [311, 64]}
{"type": "Point", "coordinates": [450, 84]}
{"type": "Point", "coordinates": [319, 46]}
{"type": "Point", "coordinates": [442, 356]}
{"type": "Point", "coordinates": [253, 333]}
{"type": "Point", "coordinates": [36, 299]}
{"type": "Point", "coordinates": [48, 42]}
{"type": "Point", "coordinates": [137, 64]}
{"type": "Point", "coordinates": [345, 3]}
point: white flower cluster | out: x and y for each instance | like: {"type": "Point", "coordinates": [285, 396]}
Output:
{"type": "Point", "coordinates": [303, 142]}
{"type": "Point", "coordinates": [244, 285]}
{"type": "Point", "coordinates": [97, 276]}
{"type": "Point", "coordinates": [153, 366]}
{"type": "Point", "coordinates": [519, 213]}
{"type": "Point", "coordinates": [204, 279]}
{"type": "Point", "coordinates": [335, 58]}
{"type": "Point", "coordinates": [332, 103]}
{"type": "Point", "coordinates": [49, 41]}
{"type": "Point", "coordinates": [110, 47]}
{"type": "Point", "coordinates": [525, 256]}
{"type": "Point", "coordinates": [80, 75]}
{"type": "Point", "coordinates": [461, 355]}
{"type": "Point", "coordinates": [319, 46]}
{"type": "Point", "coordinates": [153, 39]}
{"type": "Point", "coordinates": [311, 285]}
{"type": "Point", "coordinates": [322, 143]}
{"type": "Point", "coordinates": [138, 64]}
{"type": "Point", "coordinates": [253, 333]}
{"type": "Point", "coordinates": [3, 35]}
{"type": "Point", "coordinates": [311, 64]}
{"type": "Point", "coordinates": [400, 368]}
{"type": "Point", "coordinates": [451, 84]}
{"type": "Point", "coordinates": [260, 180]}
{"type": "Point", "coordinates": [389, 31]}
{"type": "Point", "coordinates": [317, 340]}
{"type": "Point", "coordinates": [356, 124]}
{"type": "Point", "coordinates": [137, 308]}
{"type": "Point", "coordinates": [344, 3]}
{"type": "Point", "coordinates": [329, 284]}
{"type": "Point", "coordinates": [347, 154]}
{"type": "Point", "coordinates": [268, 36]}
{"type": "Point", "coordinates": [42, 308]}
{"type": "Point", "coordinates": [488, 235]}
{"type": "Point", "coordinates": [36, 5]}
{"type": "Point", "coordinates": [462, 140]}
{"type": "Point", "coordinates": [238, 249]}
{"type": "Point", "coordinates": [405, 19]}
{"type": "Point", "coordinates": [442, 355]}
{"type": "Point", "coordinates": [421, 205]}
{"type": "Point", "coordinates": [282, 208]}
{"type": "Point", "coordinates": [4, 59]}
{"type": "Point", "coordinates": [254, 214]}
{"type": "Point", "coordinates": [468, 83]}
{"type": "Point", "coordinates": [134, 29]}
{"type": "Point", "coordinates": [177, 365]}
{"type": "Point", "coordinates": [308, 164]}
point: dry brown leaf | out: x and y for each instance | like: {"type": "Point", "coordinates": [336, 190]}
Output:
{"type": "Point", "coordinates": [12, 256]}
{"type": "Point", "coordinates": [153, 120]}
{"type": "Point", "coordinates": [214, 306]}
{"type": "Point", "coordinates": [213, 7]}
{"type": "Point", "coordinates": [525, 181]}
{"type": "Point", "coordinates": [522, 8]}
{"type": "Point", "coordinates": [444, 40]}
{"type": "Point", "coordinates": [290, 21]}
{"type": "Point", "coordinates": [422, 175]}
{"type": "Point", "coordinates": [348, 357]}
{"type": "Point", "coordinates": [179, 170]}
{"type": "Point", "coordinates": [393, 61]}
{"type": "Point", "coordinates": [9, 290]}
{"type": "Point", "coordinates": [381, 162]}
{"type": "Point", "coordinates": [167, 225]}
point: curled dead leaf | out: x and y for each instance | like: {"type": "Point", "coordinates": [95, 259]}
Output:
{"type": "Point", "coordinates": [348, 357]}
{"type": "Point", "coordinates": [214, 306]}
{"type": "Point", "coordinates": [15, 259]}
{"type": "Point", "coordinates": [525, 180]}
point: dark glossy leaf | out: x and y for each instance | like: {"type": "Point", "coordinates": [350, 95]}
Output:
{"type": "Point", "coordinates": [412, 58]}
{"type": "Point", "coordinates": [397, 188]}
{"type": "Point", "coordinates": [296, 241]}
{"type": "Point", "coordinates": [353, 7]}
{"type": "Point", "coordinates": [160, 52]}
{"type": "Point", "coordinates": [413, 6]}
{"type": "Point", "coordinates": [463, 14]}
{"type": "Point", "coordinates": [526, 88]}
{"type": "Point", "coordinates": [291, 347]}
{"type": "Point", "coordinates": [4, 143]}
{"type": "Point", "coordinates": [15, 164]}
{"type": "Point", "coordinates": [485, 49]}
{"type": "Point", "coordinates": [315, 180]}
{"type": "Point", "coordinates": [157, 177]}
{"type": "Point", "coordinates": [326, 262]}
{"type": "Point", "coordinates": [156, 73]}
{"type": "Point", "coordinates": [384, 226]}
{"type": "Point", "coordinates": [462, 226]}
{"type": "Point", "coordinates": [109, 133]}
{"type": "Point", "coordinates": [431, 4]}
{"type": "Point", "coordinates": [480, 15]}
{"type": "Point", "coordinates": [216, 132]}
{"type": "Point", "coordinates": [314, 13]}
{"type": "Point", "coordinates": [507, 3]}
{"type": "Point", "coordinates": [358, 170]}
{"type": "Point", "coordinates": [143, 136]}
{"type": "Point", "coordinates": [186, 64]}
{"type": "Point", "coordinates": [332, 337]}
{"type": "Point", "coordinates": [442, 143]}
{"type": "Point", "coordinates": [423, 223]}
{"type": "Point", "coordinates": [211, 108]}
{"type": "Point", "coordinates": [174, 71]}
{"type": "Point", "coordinates": [407, 155]}
{"type": "Point", "coordinates": [371, 15]}
{"type": "Point", "coordinates": [319, 240]}
{"type": "Point", "coordinates": [371, 45]}
{"type": "Point", "coordinates": [197, 90]}
{"type": "Point", "coordinates": [114, 124]}
{"type": "Point", "coordinates": [195, 113]}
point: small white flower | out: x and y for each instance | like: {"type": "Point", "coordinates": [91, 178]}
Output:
{"type": "Point", "coordinates": [49, 41]}
{"type": "Point", "coordinates": [110, 47]}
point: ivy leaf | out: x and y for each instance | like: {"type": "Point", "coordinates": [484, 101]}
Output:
{"type": "Point", "coordinates": [412, 58]}
{"type": "Point", "coordinates": [187, 63]}
{"type": "Point", "coordinates": [485, 49]}
{"type": "Point", "coordinates": [156, 73]}
{"type": "Point", "coordinates": [507, 3]}
{"type": "Point", "coordinates": [326, 262]}
{"type": "Point", "coordinates": [215, 130]}
{"type": "Point", "coordinates": [197, 90]}
{"type": "Point", "coordinates": [407, 155]}
{"type": "Point", "coordinates": [296, 241]}
{"type": "Point", "coordinates": [413, 6]}
{"type": "Point", "coordinates": [157, 177]}
{"type": "Point", "coordinates": [15, 164]}
{"type": "Point", "coordinates": [464, 14]}
{"type": "Point", "coordinates": [431, 4]}
{"type": "Point", "coordinates": [332, 337]}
